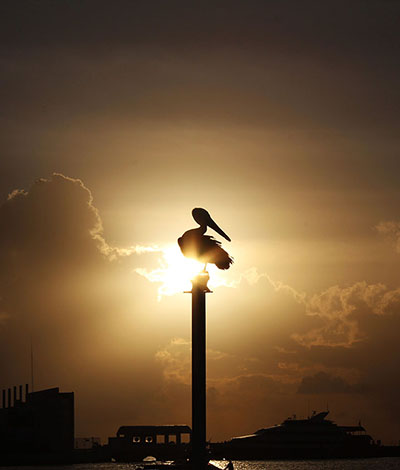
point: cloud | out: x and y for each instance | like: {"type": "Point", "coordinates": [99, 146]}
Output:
{"type": "Point", "coordinates": [53, 231]}
{"type": "Point", "coordinates": [341, 311]}
{"type": "Point", "coordinates": [175, 359]}
{"type": "Point", "coordinates": [322, 383]}
{"type": "Point", "coordinates": [390, 230]}
{"type": "Point", "coordinates": [279, 286]}
{"type": "Point", "coordinates": [54, 223]}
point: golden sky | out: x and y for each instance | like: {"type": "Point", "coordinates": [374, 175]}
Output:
{"type": "Point", "coordinates": [282, 119]}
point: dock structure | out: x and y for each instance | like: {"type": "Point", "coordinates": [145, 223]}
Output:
{"type": "Point", "coordinates": [165, 442]}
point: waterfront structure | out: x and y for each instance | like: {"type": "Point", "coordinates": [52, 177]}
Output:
{"type": "Point", "coordinates": [134, 443]}
{"type": "Point", "coordinates": [86, 443]}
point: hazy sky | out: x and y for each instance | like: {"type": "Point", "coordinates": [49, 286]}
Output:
{"type": "Point", "coordinates": [282, 119]}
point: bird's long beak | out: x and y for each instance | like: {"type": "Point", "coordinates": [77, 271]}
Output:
{"type": "Point", "coordinates": [215, 227]}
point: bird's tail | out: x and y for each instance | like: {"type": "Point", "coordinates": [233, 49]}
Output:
{"type": "Point", "coordinates": [223, 260]}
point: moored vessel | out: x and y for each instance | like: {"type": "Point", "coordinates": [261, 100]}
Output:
{"type": "Point", "coordinates": [313, 437]}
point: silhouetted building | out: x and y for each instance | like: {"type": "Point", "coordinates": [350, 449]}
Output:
{"type": "Point", "coordinates": [133, 443]}
{"type": "Point", "coordinates": [41, 422]}
{"type": "Point", "coordinates": [87, 442]}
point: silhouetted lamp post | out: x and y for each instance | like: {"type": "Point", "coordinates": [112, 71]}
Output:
{"type": "Point", "coordinates": [195, 244]}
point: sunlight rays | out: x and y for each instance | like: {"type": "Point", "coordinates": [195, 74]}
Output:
{"type": "Point", "coordinates": [174, 272]}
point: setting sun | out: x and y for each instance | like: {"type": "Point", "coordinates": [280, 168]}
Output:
{"type": "Point", "coordinates": [174, 272]}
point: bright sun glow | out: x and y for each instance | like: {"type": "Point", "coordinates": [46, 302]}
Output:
{"type": "Point", "coordinates": [175, 272]}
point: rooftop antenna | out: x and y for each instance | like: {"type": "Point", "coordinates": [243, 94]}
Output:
{"type": "Point", "coordinates": [32, 382]}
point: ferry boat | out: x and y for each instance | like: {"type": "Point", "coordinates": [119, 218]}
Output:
{"type": "Point", "coordinates": [314, 437]}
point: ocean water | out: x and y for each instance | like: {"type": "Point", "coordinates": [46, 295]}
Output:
{"type": "Point", "coordinates": [392, 463]}
{"type": "Point", "coordinates": [385, 463]}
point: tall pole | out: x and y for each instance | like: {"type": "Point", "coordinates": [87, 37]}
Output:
{"type": "Point", "coordinates": [199, 291]}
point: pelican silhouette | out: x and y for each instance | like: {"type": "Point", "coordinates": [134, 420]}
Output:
{"type": "Point", "coordinates": [204, 248]}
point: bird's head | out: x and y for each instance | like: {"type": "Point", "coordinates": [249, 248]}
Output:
{"type": "Point", "coordinates": [203, 218]}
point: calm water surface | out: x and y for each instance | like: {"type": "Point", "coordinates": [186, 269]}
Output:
{"type": "Point", "coordinates": [392, 463]}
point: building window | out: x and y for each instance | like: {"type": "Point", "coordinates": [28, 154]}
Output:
{"type": "Point", "coordinates": [185, 437]}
